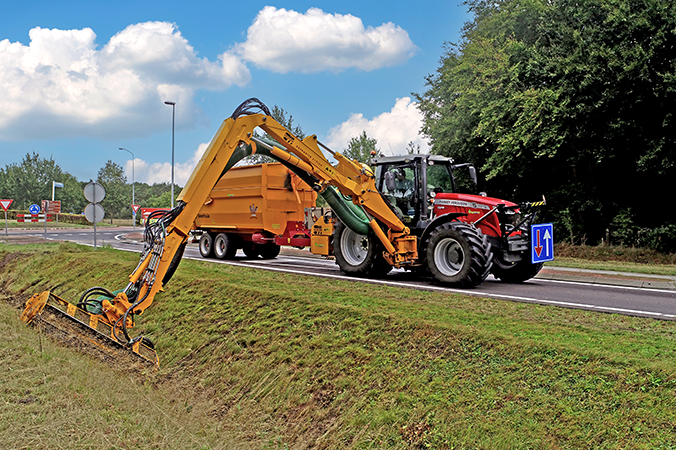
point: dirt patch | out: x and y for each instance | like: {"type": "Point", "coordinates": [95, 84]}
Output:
{"type": "Point", "coordinates": [10, 257]}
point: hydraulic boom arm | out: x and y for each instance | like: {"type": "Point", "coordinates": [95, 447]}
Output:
{"type": "Point", "coordinates": [165, 240]}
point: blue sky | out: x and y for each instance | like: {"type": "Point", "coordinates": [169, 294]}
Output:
{"type": "Point", "coordinates": [79, 79]}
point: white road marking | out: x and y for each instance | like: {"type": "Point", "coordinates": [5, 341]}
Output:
{"type": "Point", "coordinates": [452, 290]}
{"type": "Point", "coordinates": [457, 291]}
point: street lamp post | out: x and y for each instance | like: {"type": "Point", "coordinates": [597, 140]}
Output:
{"type": "Point", "coordinates": [173, 120]}
{"type": "Point", "coordinates": [133, 186]}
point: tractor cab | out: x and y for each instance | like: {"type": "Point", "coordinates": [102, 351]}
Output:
{"type": "Point", "coordinates": [411, 182]}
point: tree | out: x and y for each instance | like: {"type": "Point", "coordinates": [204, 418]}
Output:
{"type": "Point", "coordinates": [118, 194]}
{"type": "Point", "coordinates": [413, 149]}
{"type": "Point", "coordinates": [572, 98]}
{"type": "Point", "coordinates": [362, 148]}
{"type": "Point", "coordinates": [31, 182]}
{"type": "Point", "coordinates": [161, 201]}
{"type": "Point", "coordinates": [285, 119]}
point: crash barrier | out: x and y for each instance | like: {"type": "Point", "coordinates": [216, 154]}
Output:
{"type": "Point", "coordinates": [34, 217]}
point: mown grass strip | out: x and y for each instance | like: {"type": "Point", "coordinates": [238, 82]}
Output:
{"type": "Point", "coordinates": [293, 360]}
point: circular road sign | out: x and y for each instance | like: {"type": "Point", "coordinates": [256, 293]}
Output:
{"type": "Point", "coordinates": [94, 192]}
{"type": "Point", "coordinates": [94, 212]}
{"type": "Point", "coordinates": [34, 209]}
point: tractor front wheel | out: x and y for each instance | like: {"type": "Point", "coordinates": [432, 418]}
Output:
{"type": "Point", "coordinates": [458, 254]}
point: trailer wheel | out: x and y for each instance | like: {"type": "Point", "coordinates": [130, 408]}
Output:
{"type": "Point", "coordinates": [250, 250]}
{"type": "Point", "coordinates": [517, 272]}
{"type": "Point", "coordinates": [459, 254]}
{"type": "Point", "coordinates": [357, 254]}
{"type": "Point", "coordinates": [206, 245]}
{"type": "Point", "coordinates": [268, 251]}
{"type": "Point", "coordinates": [225, 246]}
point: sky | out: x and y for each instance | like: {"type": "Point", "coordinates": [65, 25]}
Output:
{"type": "Point", "coordinates": [81, 79]}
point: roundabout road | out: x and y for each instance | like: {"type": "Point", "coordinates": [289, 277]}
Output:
{"type": "Point", "coordinates": [621, 293]}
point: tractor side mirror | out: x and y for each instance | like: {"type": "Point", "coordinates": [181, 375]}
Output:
{"type": "Point", "coordinates": [390, 182]}
{"type": "Point", "coordinates": [472, 174]}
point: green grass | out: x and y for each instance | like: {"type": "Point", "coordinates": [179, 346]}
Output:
{"type": "Point", "coordinates": [615, 266]}
{"type": "Point", "coordinates": [614, 258]}
{"type": "Point", "coordinates": [55, 398]}
{"type": "Point", "coordinates": [288, 361]}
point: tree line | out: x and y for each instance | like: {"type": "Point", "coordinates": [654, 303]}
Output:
{"type": "Point", "coordinates": [30, 181]}
{"type": "Point", "coordinates": [573, 99]}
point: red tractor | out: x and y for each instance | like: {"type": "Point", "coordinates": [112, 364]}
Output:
{"type": "Point", "coordinates": [461, 237]}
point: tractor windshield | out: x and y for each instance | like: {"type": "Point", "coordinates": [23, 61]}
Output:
{"type": "Point", "coordinates": [439, 178]}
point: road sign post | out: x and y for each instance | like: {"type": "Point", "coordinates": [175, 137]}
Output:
{"type": "Point", "coordinates": [94, 212]}
{"type": "Point", "coordinates": [542, 242]}
{"type": "Point", "coordinates": [5, 206]}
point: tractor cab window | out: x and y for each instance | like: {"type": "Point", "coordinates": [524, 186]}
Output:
{"type": "Point", "coordinates": [399, 188]}
{"type": "Point", "coordinates": [439, 178]}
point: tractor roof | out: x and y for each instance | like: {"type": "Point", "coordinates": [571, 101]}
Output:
{"type": "Point", "coordinates": [407, 158]}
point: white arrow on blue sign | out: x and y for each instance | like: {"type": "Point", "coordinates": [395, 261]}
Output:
{"type": "Point", "coordinates": [34, 209]}
{"type": "Point", "coordinates": [542, 242]}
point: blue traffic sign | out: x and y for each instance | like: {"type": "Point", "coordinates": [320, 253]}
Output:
{"type": "Point", "coordinates": [34, 209]}
{"type": "Point", "coordinates": [542, 242]}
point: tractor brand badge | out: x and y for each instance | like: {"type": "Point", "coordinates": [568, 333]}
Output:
{"type": "Point", "coordinates": [469, 211]}
{"type": "Point", "coordinates": [461, 204]}
{"type": "Point", "coordinates": [253, 209]}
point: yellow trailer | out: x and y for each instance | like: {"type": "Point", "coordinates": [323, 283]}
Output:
{"type": "Point", "coordinates": [256, 208]}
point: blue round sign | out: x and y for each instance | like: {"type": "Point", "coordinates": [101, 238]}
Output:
{"type": "Point", "coordinates": [34, 209]}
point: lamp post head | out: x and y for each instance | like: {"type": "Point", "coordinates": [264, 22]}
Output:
{"type": "Point", "coordinates": [170, 103]}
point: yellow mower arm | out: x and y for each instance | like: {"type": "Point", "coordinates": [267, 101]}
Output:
{"type": "Point", "coordinates": [166, 238]}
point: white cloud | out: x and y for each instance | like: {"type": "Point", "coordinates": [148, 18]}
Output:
{"type": "Point", "coordinates": [393, 129]}
{"type": "Point", "coordinates": [151, 173]}
{"type": "Point", "coordinates": [288, 41]}
{"type": "Point", "coordinates": [62, 84]}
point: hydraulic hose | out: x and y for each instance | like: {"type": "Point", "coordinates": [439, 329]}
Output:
{"type": "Point", "coordinates": [349, 213]}
{"type": "Point", "coordinates": [353, 217]}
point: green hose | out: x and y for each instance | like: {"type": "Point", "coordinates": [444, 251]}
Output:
{"type": "Point", "coordinates": [349, 213]}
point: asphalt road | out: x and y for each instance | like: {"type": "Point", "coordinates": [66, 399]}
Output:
{"type": "Point", "coordinates": [630, 294]}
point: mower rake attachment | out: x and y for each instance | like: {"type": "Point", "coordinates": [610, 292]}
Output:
{"type": "Point", "coordinates": [77, 327]}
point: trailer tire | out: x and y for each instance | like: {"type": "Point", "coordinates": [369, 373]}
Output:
{"type": "Point", "coordinates": [206, 245]}
{"type": "Point", "coordinates": [268, 251]}
{"type": "Point", "coordinates": [357, 254]}
{"type": "Point", "coordinates": [250, 250]}
{"type": "Point", "coordinates": [515, 272]}
{"type": "Point", "coordinates": [459, 254]}
{"type": "Point", "coordinates": [225, 246]}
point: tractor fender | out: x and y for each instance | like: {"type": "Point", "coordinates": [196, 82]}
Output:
{"type": "Point", "coordinates": [439, 220]}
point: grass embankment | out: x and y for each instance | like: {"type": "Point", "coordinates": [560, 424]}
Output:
{"type": "Point", "coordinates": [281, 361]}
{"type": "Point", "coordinates": [615, 258]}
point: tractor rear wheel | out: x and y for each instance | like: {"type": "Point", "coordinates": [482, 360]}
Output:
{"type": "Point", "coordinates": [517, 272]}
{"type": "Point", "coordinates": [225, 246]}
{"type": "Point", "coordinates": [206, 245]}
{"type": "Point", "coordinates": [357, 254]}
{"type": "Point", "coordinates": [459, 254]}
